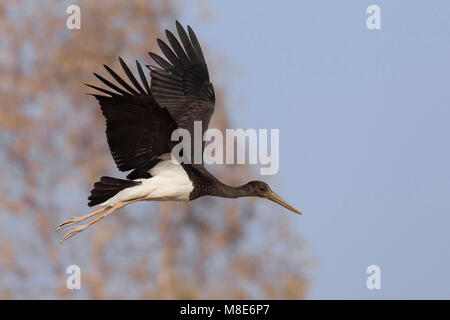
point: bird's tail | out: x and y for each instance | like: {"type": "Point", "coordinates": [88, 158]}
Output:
{"type": "Point", "coordinates": [107, 188]}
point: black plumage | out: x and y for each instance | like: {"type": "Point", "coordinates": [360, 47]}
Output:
{"type": "Point", "coordinates": [108, 187]}
{"type": "Point", "coordinates": [182, 83]}
{"type": "Point", "coordinates": [138, 130]}
{"type": "Point", "coordinates": [138, 127]}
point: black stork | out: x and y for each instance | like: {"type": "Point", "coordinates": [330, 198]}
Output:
{"type": "Point", "coordinates": [140, 120]}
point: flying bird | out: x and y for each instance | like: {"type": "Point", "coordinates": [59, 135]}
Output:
{"type": "Point", "coordinates": [140, 119]}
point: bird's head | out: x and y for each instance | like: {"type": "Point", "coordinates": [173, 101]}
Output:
{"type": "Point", "coordinates": [262, 190]}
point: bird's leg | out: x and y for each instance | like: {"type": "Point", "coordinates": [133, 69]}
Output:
{"type": "Point", "coordinates": [78, 229]}
{"type": "Point", "coordinates": [74, 220]}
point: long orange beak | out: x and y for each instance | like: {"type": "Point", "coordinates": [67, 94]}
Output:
{"type": "Point", "coordinates": [276, 198]}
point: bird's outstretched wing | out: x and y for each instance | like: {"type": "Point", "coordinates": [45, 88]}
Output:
{"type": "Point", "coordinates": [138, 130]}
{"type": "Point", "coordinates": [181, 83]}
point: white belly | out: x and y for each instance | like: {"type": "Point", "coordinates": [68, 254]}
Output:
{"type": "Point", "coordinates": [169, 181]}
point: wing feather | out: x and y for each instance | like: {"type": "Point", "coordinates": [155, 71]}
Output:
{"type": "Point", "coordinates": [131, 76]}
{"type": "Point", "coordinates": [186, 43]}
{"type": "Point", "coordinates": [181, 83]}
{"type": "Point", "coordinates": [177, 48]}
{"type": "Point", "coordinates": [138, 130]}
{"type": "Point", "coordinates": [120, 80]}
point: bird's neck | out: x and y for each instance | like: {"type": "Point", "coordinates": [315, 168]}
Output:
{"type": "Point", "coordinates": [207, 184]}
{"type": "Point", "coordinates": [226, 191]}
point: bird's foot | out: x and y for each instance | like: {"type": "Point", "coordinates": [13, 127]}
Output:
{"type": "Point", "coordinates": [69, 222]}
{"type": "Point", "coordinates": [74, 220]}
{"type": "Point", "coordinates": [78, 229]}
{"type": "Point", "coordinates": [73, 232]}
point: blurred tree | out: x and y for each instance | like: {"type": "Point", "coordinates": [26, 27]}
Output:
{"type": "Point", "coordinates": [53, 148]}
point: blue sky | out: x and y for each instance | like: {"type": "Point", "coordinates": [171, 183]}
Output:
{"type": "Point", "coordinates": [364, 130]}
